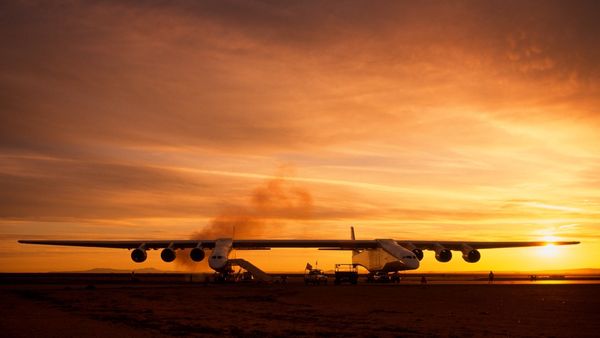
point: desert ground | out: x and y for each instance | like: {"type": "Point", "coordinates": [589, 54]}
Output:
{"type": "Point", "coordinates": [151, 309]}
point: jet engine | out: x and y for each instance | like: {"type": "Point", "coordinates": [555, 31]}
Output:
{"type": "Point", "coordinates": [138, 255]}
{"type": "Point", "coordinates": [168, 255]}
{"type": "Point", "coordinates": [443, 255]}
{"type": "Point", "coordinates": [471, 256]}
{"type": "Point", "coordinates": [418, 253]}
{"type": "Point", "coordinates": [197, 254]}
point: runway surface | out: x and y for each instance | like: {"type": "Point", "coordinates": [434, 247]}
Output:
{"type": "Point", "coordinates": [293, 309]}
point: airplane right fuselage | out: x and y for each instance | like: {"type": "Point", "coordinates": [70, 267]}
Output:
{"type": "Point", "coordinates": [390, 257]}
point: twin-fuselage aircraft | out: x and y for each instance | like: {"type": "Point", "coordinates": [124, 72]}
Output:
{"type": "Point", "coordinates": [375, 255]}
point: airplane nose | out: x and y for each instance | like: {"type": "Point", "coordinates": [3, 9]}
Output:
{"type": "Point", "coordinates": [415, 264]}
{"type": "Point", "coordinates": [217, 262]}
{"type": "Point", "coordinates": [412, 264]}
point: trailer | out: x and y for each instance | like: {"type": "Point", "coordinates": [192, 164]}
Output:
{"type": "Point", "coordinates": [346, 273]}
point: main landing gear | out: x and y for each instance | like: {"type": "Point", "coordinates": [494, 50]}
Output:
{"type": "Point", "coordinates": [383, 277]}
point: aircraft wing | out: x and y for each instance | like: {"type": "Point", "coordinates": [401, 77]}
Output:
{"type": "Point", "coordinates": [265, 244]}
{"type": "Point", "coordinates": [128, 244]}
{"type": "Point", "coordinates": [458, 245]}
{"type": "Point", "coordinates": [243, 244]}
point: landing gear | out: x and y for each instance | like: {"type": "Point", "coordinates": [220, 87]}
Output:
{"type": "Point", "coordinates": [220, 277]}
{"type": "Point", "coordinates": [224, 276]}
{"type": "Point", "coordinates": [378, 277]}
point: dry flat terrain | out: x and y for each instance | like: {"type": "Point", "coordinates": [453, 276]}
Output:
{"type": "Point", "coordinates": [138, 309]}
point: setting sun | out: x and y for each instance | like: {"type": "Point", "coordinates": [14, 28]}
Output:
{"type": "Point", "coordinates": [549, 250]}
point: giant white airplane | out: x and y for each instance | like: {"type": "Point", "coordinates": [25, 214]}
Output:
{"type": "Point", "coordinates": [375, 255]}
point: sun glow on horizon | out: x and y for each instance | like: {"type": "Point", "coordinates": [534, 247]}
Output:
{"type": "Point", "coordinates": [550, 249]}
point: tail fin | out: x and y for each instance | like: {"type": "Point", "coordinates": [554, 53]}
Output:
{"type": "Point", "coordinates": [353, 237]}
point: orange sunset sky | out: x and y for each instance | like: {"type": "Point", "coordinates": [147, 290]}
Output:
{"type": "Point", "coordinates": [450, 120]}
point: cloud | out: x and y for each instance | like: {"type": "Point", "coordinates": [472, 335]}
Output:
{"type": "Point", "coordinates": [269, 77]}
{"type": "Point", "coordinates": [38, 188]}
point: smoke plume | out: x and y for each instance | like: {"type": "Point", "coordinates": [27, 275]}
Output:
{"type": "Point", "coordinates": [270, 205]}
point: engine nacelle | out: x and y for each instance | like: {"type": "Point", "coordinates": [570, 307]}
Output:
{"type": "Point", "coordinates": [418, 253]}
{"type": "Point", "coordinates": [168, 255]}
{"type": "Point", "coordinates": [443, 255]}
{"type": "Point", "coordinates": [471, 256]}
{"type": "Point", "coordinates": [139, 255]}
{"type": "Point", "coordinates": [197, 254]}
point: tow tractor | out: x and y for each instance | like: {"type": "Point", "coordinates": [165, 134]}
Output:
{"type": "Point", "coordinates": [346, 273]}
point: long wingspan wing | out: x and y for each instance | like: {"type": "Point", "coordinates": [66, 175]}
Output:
{"type": "Point", "coordinates": [261, 244]}
{"type": "Point", "coordinates": [149, 244]}
{"type": "Point", "coordinates": [457, 245]}
{"type": "Point", "coordinates": [244, 244]}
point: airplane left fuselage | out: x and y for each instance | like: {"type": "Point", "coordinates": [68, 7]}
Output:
{"type": "Point", "coordinates": [219, 258]}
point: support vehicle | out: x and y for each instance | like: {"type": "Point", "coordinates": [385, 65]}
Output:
{"type": "Point", "coordinates": [346, 273]}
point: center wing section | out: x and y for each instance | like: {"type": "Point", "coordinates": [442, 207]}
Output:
{"type": "Point", "coordinates": [328, 244]}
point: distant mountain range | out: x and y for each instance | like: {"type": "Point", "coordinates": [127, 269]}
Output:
{"type": "Point", "coordinates": [109, 270]}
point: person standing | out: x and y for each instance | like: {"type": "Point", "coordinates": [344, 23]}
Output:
{"type": "Point", "coordinates": [491, 277]}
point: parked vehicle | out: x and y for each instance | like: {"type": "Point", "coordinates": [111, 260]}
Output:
{"type": "Point", "coordinates": [315, 277]}
{"type": "Point", "coordinates": [346, 273]}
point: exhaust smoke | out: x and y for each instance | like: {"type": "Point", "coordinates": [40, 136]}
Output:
{"type": "Point", "coordinates": [274, 201]}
